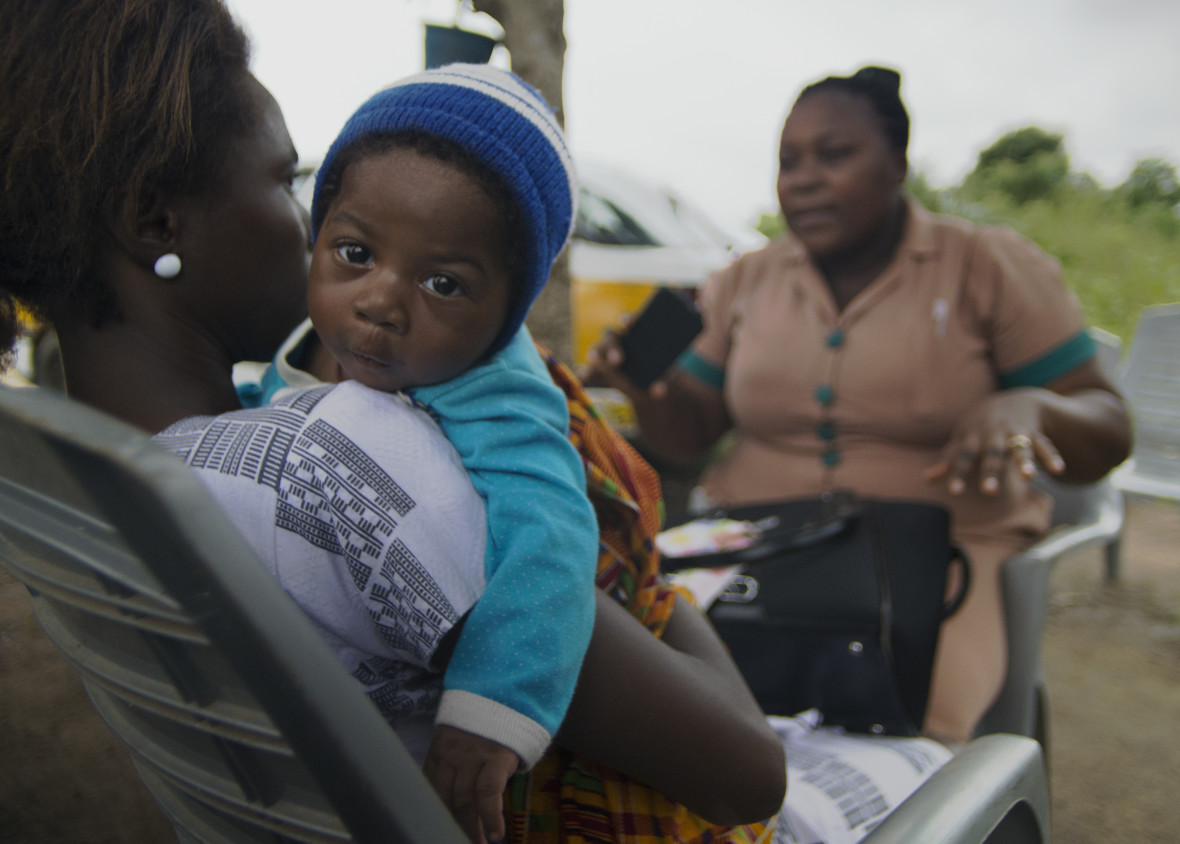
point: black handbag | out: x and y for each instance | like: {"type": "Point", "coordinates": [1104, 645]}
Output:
{"type": "Point", "coordinates": [838, 607]}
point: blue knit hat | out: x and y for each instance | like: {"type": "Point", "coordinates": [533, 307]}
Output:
{"type": "Point", "coordinates": [506, 125]}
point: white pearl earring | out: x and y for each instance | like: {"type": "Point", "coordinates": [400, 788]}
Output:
{"type": "Point", "coordinates": [167, 265]}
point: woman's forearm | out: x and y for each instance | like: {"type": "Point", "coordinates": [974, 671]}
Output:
{"type": "Point", "coordinates": [679, 417]}
{"type": "Point", "coordinates": [676, 714]}
{"type": "Point", "coordinates": [683, 420]}
{"type": "Point", "coordinates": [1090, 428]}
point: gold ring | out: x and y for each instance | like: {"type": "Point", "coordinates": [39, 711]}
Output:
{"type": "Point", "coordinates": [1018, 441]}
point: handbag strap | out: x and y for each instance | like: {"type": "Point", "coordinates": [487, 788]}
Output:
{"type": "Point", "coordinates": [838, 512]}
{"type": "Point", "coordinates": [884, 594]}
{"type": "Point", "coordinates": [958, 555]}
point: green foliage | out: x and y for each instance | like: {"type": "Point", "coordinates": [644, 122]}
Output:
{"type": "Point", "coordinates": [921, 189]}
{"type": "Point", "coordinates": [1026, 165]}
{"type": "Point", "coordinates": [1152, 182]}
{"type": "Point", "coordinates": [772, 225]}
{"type": "Point", "coordinates": [1021, 147]}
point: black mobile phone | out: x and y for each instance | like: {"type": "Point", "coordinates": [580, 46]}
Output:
{"type": "Point", "coordinates": [656, 337]}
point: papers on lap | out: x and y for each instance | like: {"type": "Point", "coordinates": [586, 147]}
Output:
{"type": "Point", "coordinates": [840, 786]}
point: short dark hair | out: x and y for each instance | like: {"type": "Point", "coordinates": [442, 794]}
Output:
{"type": "Point", "coordinates": [881, 87]}
{"type": "Point", "coordinates": [101, 102]}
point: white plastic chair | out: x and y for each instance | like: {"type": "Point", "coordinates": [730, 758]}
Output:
{"type": "Point", "coordinates": [1150, 380]}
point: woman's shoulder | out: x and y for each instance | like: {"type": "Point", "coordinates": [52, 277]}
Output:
{"type": "Point", "coordinates": [749, 270]}
{"type": "Point", "coordinates": [785, 248]}
{"type": "Point", "coordinates": [987, 239]}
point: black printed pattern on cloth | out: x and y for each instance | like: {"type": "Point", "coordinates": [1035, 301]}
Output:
{"type": "Point", "coordinates": [413, 609]}
{"type": "Point", "coordinates": [398, 691]}
{"type": "Point", "coordinates": [251, 443]}
{"type": "Point", "coordinates": [856, 794]}
{"type": "Point", "coordinates": [332, 495]}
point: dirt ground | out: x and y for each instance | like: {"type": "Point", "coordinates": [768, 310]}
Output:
{"type": "Point", "coordinates": [1112, 654]}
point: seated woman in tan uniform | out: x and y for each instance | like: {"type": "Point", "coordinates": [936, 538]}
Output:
{"type": "Point", "coordinates": [881, 348]}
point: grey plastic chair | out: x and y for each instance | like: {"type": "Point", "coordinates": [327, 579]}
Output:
{"type": "Point", "coordinates": [994, 790]}
{"type": "Point", "coordinates": [1082, 516]}
{"type": "Point", "coordinates": [1076, 506]}
{"type": "Point", "coordinates": [239, 720]}
{"type": "Point", "coordinates": [1150, 381]}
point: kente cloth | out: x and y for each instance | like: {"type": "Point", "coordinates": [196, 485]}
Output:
{"type": "Point", "coordinates": [565, 798]}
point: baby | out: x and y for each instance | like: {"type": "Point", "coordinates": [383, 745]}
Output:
{"type": "Point", "coordinates": [437, 216]}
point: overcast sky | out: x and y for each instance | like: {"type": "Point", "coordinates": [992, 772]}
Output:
{"type": "Point", "coordinates": [692, 93]}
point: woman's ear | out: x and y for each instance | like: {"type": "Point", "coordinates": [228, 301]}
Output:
{"type": "Point", "coordinates": [145, 227]}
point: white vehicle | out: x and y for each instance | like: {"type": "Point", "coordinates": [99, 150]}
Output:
{"type": "Point", "coordinates": [632, 237]}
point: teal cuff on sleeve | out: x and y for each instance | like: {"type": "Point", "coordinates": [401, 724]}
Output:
{"type": "Point", "coordinates": [701, 369]}
{"type": "Point", "coordinates": [1053, 364]}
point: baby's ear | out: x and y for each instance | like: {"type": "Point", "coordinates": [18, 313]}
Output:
{"type": "Point", "coordinates": [144, 227]}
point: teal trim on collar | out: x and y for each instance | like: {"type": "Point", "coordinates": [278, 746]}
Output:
{"type": "Point", "coordinates": [1053, 364]}
{"type": "Point", "coordinates": [272, 379]}
{"type": "Point", "coordinates": [701, 369]}
{"type": "Point", "coordinates": [250, 395]}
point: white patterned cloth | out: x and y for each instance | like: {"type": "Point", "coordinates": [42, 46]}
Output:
{"type": "Point", "coordinates": [360, 508]}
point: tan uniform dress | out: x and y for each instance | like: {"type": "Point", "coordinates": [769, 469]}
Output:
{"type": "Point", "coordinates": [865, 398]}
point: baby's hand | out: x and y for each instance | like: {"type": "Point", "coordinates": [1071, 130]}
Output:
{"type": "Point", "coordinates": [470, 773]}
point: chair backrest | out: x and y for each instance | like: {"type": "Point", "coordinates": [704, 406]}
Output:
{"type": "Point", "coordinates": [239, 719]}
{"type": "Point", "coordinates": [1150, 381]}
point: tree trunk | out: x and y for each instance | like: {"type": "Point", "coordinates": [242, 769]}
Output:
{"type": "Point", "coordinates": [534, 35]}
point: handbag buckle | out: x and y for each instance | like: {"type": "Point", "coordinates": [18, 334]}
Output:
{"type": "Point", "coordinates": [741, 590]}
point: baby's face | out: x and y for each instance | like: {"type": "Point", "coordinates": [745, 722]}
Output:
{"type": "Point", "coordinates": [409, 278]}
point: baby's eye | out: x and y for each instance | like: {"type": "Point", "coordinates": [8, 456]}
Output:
{"type": "Point", "coordinates": [443, 285]}
{"type": "Point", "coordinates": [354, 253]}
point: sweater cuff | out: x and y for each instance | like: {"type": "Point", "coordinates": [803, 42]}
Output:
{"type": "Point", "coordinates": [496, 722]}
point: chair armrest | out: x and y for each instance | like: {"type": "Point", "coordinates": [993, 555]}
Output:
{"type": "Point", "coordinates": [1088, 515]}
{"type": "Point", "coordinates": [997, 783]}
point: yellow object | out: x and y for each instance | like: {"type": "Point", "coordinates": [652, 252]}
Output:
{"type": "Point", "coordinates": [28, 322]}
{"type": "Point", "coordinates": [597, 305]}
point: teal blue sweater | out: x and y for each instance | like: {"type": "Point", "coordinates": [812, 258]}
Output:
{"type": "Point", "coordinates": [524, 641]}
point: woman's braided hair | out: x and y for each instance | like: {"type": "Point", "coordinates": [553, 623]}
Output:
{"type": "Point", "coordinates": [881, 87]}
{"type": "Point", "coordinates": [101, 103]}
